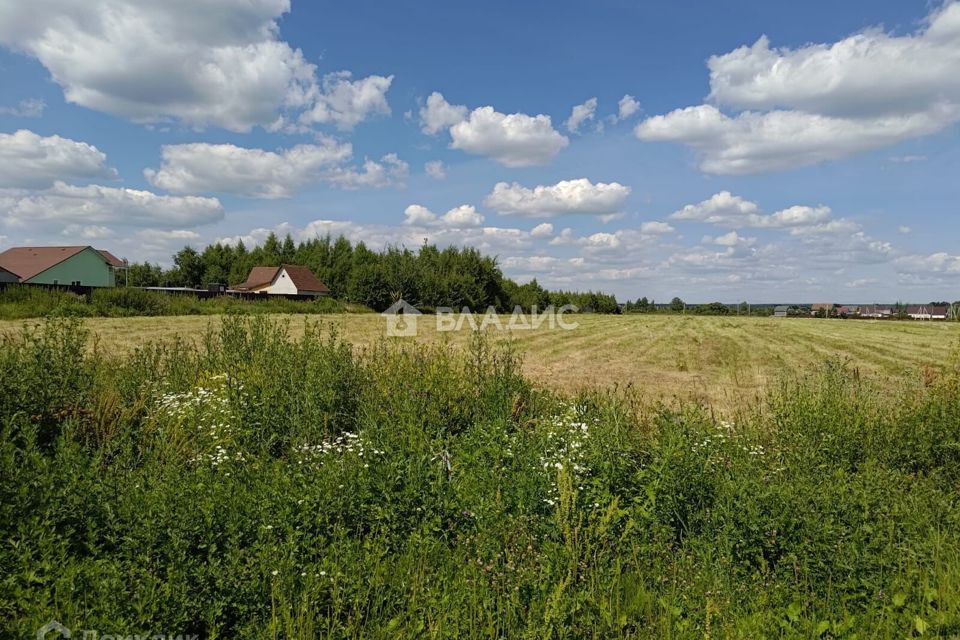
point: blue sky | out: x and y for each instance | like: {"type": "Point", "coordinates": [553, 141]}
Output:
{"type": "Point", "coordinates": [758, 151]}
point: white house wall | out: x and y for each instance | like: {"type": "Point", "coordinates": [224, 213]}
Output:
{"type": "Point", "coordinates": [282, 284]}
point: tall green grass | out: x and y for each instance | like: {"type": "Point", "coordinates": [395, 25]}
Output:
{"type": "Point", "coordinates": [263, 486]}
{"type": "Point", "coordinates": [19, 302]}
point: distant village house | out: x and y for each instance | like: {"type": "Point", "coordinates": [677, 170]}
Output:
{"type": "Point", "coordinates": [76, 265]}
{"type": "Point", "coordinates": [287, 279]}
{"type": "Point", "coordinates": [876, 311]}
{"type": "Point", "coordinates": [926, 312]}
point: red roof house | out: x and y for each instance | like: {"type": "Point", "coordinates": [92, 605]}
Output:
{"type": "Point", "coordinates": [287, 279]}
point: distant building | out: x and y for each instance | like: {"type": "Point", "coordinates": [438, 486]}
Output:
{"type": "Point", "coordinates": [926, 312]}
{"type": "Point", "coordinates": [780, 311]}
{"type": "Point", "coordinates": [876, 311]}
{"type": "Point", "coordinates": [8, 276]}
{"type": "Point", "coordinates": [826, 308]}
{"type": "Point", "coordinates": [287, 279]}
{"type": "Point", "coordinates": [77, 265]}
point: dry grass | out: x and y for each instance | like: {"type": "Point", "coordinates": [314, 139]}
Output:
{"type": "Point", "coordinates": [723, 361]}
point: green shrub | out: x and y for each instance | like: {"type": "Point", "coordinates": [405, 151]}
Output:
{"type": "Point", "coordinates": [23, 301]}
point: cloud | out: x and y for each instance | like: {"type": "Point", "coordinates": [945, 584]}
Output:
{"type": "Point", "coordinates": [225, 168]}
{"type": "Point", "coordinates": [839, 226]}
{"type": "Point", "coordinates": [578, 196]}
{"type": "Point", "coordinates": [940, 262]}
{"type": "Point", "coordinates": [515, 140]}
{"type": "Point", "coordinates": [390, 170]}
{"type": "Point", "coordinates": [909, 159]}
{"type": "Point", "coordinates": [457, 218]}
{"type": "Point", "coordinates": [463, 216]}
{"type": "Point", "coordinates": [87, 232]}
{"type": "Point", "coordinates": [730, 239]}
{"type": "Point", "coordinates": [164, 235]}
{"type": "Point", "coordinates": [822, 101]}
{"type": "Point", "coordinates": [757, 142]}
{"type": "Point", "coordinates": [726, 209]}
{"type": "Point", "coordinates": [601, 240]}
{"type": "Point", "coordinates": [904, 229]}
{"type": "Point", "coordinates": [656, 227]}
{"type": "Point", "coordinates": [627, 106]}
{"type": "Point", "coordinates": [580, 114]}
{"type": "Point", "coordinates": [417, 214]}
{"type": "Point", "coordinates": [65, 204]}
{"type": "Point", "coordinates": [866, 74]}
{"type": "Point", "coordinates": [31, 161]}
{"type": "Point", "coordinates": [488, 239]}
{"type": "Point", "coordinates": [719, 207]}
{"type": "Point", "coordinates": [542, 230]}
{"type": "Point", "coordinates": [438, 114]}
{"type": "Point", "coordinates": [29, 108]}
{"type": "Point", "coordinates": [206, 62]}
{"type": "Point", "coordinates": [859, 283]}
{"type": "Point", "coordinates": [435, 169]}
{"type": "Point", "coordinates": [345, 102]}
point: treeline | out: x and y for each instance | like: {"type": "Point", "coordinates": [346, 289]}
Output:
{"type": "Point", "coordinates": [427, 278]}
{"type": "Point", "coordinates": [677, 305]}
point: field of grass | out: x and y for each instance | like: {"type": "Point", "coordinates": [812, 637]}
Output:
{"type": "Point", "coordinates": [722, 361]}
{"type": "Point", "coordinates": [270, 483]}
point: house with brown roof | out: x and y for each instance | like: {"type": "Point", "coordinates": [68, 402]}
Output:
{"type": "Point", "coordinates": [287, 279]}
{"type": "Point", "coordinates": [876, 311]}
{"type": "Point", "coordinates": [926, 312]}
{"type": "Point", "coordinates": [74, 265]}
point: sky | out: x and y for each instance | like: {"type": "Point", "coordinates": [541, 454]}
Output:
{"type": "Point", "coordinates": [759, 151]}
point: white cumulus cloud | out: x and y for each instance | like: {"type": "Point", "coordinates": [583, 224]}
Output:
{"type": "Point", "coordinates": [457, 218]}
{"type": "Point", "coordinates": [345, 103]}
{"type": "Point", "coordinates": [627, 106]}
{"type": "Point", "coordinates": [390, 170]}
{"type": "Point", "coordinates": [65, 204]}
{"type": "Point", "coordinates": [226, 168]}
{"type": "Point", "coordinates": [578, 196]}
{"type": "Point", "coordinates": [204, 62]}
{"type": "Point", "coordinates": [31, 161]}
{"type": "Point", "coordinates": [656, 227]}
{"type": "Point", "coordinates": [728, 210]}
{"type": "Point", "coordinates": [435, 169]}
{"type": "Point", "coordinates": [29, 108]}
{"type": "Point", "coordinates": [580, 114]}
{"type": "Point", "coordinates": [514, 140]}
{"type": "Point", "coordinates": [795, 107]}
{"type": "Point", "coordinates": [542, 230]}
{"type": "Point", "coordinates": [438, 114]}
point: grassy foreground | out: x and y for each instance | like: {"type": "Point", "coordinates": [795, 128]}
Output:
{"type": "Point", "coordinates": [259, 484]}
{"type": "Point", "coordinates": [721, 361]}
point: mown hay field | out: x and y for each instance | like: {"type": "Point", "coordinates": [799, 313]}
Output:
{"type": "Point", "coordinates": [721, 361]}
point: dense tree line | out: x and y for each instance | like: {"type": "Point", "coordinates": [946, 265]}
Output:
{"type": "Point", "coordinates": [677, 305]}
{"type": "Point", "coordinates": [428, 278]}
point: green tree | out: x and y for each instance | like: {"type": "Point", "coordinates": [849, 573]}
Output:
{"type": "Point", "coordinates": [188, 265]}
